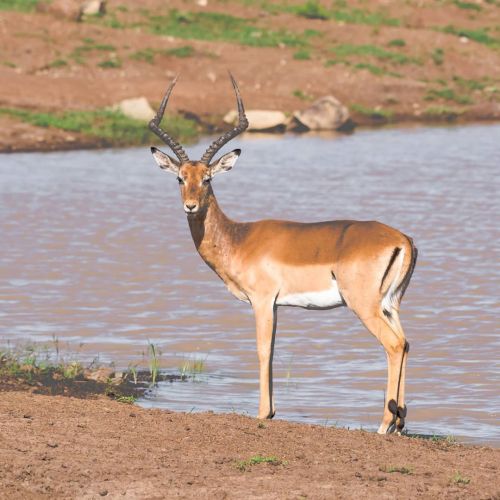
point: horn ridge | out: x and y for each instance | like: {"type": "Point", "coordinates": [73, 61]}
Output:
{"type": "Point", "coordinates": [225, 138]}
{"type": "Point", "coordinates": [154, 126]}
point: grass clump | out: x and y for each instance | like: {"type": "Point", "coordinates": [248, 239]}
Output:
{"type": "Point", "coordinates": [437, 56]}
{"type": "Point", "coordinates": [467, 5]}
{"type": "Point", "coordinates": [302, 55]}
{"type": "Point", "coordinates": [348, 50]}
{"type": "Point", "coordinates": [146, 55]}
{"type": "Point", "coordinates": [181, 52]}
{"type": "Point", "coordinates": [191, 368]}
{"type": "Point", "coordinates": [479, 35]}
{"type": "Point", "coordinates": [58, 63]}
{"type": "Point", "coordinates": [469, 84]}
{"type": "Point", "coordinates": [110, 63]}
{"type": "Point", "coordinates": [18, 5]}
{"type": "Point", "coordinates": [447, 113]}
{"type": "Point", "coordinates": [397, 42]}
{"type": "Point", "coordinates": [244, 465]}
{"type": "Point", "coordinates": [376, 70]}
{"type": "Point", "coordinates": [374, 113]}
{"type": "Point", "coordinates": [448, 95]}
{"type": "Point", "coordinates": [109, 127]}
{"type": "Point", "coordinates": [402, 470]}
{"type": "Point", "coordinates": [303, 96]}
{"type": "Point", "coordinates": [312, 10]}
{"type": "Point", "coordinates": [459, 479]}
{"type": "Point", "coordinates": [154, 362]}
{"type": "Point", "coordinates": [214, 26]}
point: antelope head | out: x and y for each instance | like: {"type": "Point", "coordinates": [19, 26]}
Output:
{"type": "Point", "coordinates": [195, 176]}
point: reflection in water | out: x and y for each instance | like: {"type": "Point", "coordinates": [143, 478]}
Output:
{"type": "Point", "coordinates": [96, 249]}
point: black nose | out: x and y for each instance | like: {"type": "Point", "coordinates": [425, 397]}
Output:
{"type": "Point", "coordinates": [191, 207]}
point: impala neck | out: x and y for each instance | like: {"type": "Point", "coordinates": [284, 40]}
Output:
{"type": "Point", "coordinates": [213, 234]}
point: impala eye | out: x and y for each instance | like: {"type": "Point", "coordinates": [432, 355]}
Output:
{"type": "Point", "coordinates": [180, 181]}
{"type": "Point", "coordinates": [207, 180]}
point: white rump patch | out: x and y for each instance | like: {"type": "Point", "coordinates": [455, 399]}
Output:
{"type": "Point", "coordinates": [390, 298]}
{"type": "Point", "coordinates": [326, 299]}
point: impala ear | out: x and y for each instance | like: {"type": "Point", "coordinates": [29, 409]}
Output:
{"type": "Point", "coordinates": [225, 162]}
{"type": "Point", "coordinates": [164, 161]}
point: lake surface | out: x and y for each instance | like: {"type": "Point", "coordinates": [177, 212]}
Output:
{"type": "Point", "coordinates": [96, 251]}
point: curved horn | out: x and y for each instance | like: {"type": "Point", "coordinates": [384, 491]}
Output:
{"type": "Point", "coordinates": [154, 126]}
{"type": "Point", "coordinates": [223, 139]}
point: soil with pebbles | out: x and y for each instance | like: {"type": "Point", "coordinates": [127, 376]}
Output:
{"type": "Point", "coordinates": [93, 447]}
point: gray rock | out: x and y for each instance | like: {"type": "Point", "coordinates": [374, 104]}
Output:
{"type": "Point", "coordinates": [137, 108]}
{"type": "Point", "coordinates": [327, 113]}
{"type": "Point", "coordinates": [93, 7]}
{"type": "Point", "coordinates": [260, 120]}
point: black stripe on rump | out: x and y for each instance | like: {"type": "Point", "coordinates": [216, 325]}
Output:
{"type": "Point", "coordinates": [391, 262]}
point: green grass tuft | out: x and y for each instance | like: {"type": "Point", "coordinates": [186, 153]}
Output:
{"type": "Point", "coordinates": [448, 95]}
{"type": "Point", "coordinates": [402, 470]}
{"type": "Point", "coordinates": [244, 465]}
{"type": "Point", "coordinates": [347, 50]}
{"type": "Point", "coordinates": [480, 35]}
{"type": "Point", "coordinates": [302, 55]}
{"type": "Point", "coordinates": [374, 113]}
{"type": "Point", "coordinates": [110, 63]}
{"type": "Point", "coordinates": [397, 42]}
{"type": "Point", "coordinates": [437, 56]}
{"type": "Point", "coordinates": [312, 10]}
{"type": "Point", "coordinates": [181, 52]}
{"type": "Point", "coordinates": [467, 5]}
{"type": "Point", "coordinates": [459, 479]}
{"type": "Point", "coordinates": [18, 5]}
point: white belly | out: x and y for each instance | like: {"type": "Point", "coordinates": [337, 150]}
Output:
{"type": "Point", "coordinates": [325, 299]}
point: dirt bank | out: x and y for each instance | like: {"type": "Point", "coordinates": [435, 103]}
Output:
{"type": "Point", "coordinates": [63, 447]}
{"type": "Point", "coordinates": [388, 61]}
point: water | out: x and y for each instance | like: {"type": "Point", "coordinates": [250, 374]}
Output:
{"type": "Point", "coordinates": [95, 250]}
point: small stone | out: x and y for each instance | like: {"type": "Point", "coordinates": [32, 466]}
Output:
{"type": "Point", "coordinates": [103, 493]}
{"type": "Point", "coordinates": [137, 108]}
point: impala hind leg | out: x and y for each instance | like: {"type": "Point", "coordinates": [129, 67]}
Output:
{"type": "Point", "coordinates": [390, 334]}
{"type": "Point", "coordinates": [265, 322]}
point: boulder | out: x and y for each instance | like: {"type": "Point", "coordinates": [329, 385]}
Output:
{"type": "Point", "coordinates": [260, 120]}
{"type": "Point", "coordinates": [137, 108]}
{"type": "Point", "coordinates": [93, 7]}
{"type": "Point", "coordinates": [327, 113]}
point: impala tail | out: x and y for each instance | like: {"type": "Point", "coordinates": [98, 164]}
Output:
{"type": "Point", "coordinates": [397, 276]}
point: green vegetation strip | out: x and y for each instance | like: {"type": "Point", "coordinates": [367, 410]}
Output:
{"type": "Point", "coordinates": [340, 12]}
{"type": "Point", "coordinates": [222, 27]}
{"type": "Point", "coordinates": [19, 5]}
{"type": "Point", "coordinates": [110, 126]}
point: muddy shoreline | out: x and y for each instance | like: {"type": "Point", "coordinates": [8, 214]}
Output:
{"type": "Point", "coordinates": [66, 447]}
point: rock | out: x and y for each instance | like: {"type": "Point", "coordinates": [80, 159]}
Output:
{"type": "Point", "coordinates": [260, 120]}
{"type": "Point", "coordinates": [102, 374]}
{"type": "Point", "coordinates": [137, 108]}
{"type": "Point", "coordinates": [327, 113]}
{"type": "Point", "coordinates": [93, 7]}
{"type": "Point", "coordinates": [72, 9]}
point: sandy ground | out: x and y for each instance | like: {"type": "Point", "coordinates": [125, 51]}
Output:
{"type": "Point", "coordinates": [269, 77]}
{"type": "Point", "coordinates": [64, 447]}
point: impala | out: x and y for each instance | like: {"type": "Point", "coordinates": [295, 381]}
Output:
{"type": "Point", "coordinates": [365, 266]}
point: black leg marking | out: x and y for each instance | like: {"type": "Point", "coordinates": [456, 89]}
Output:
{"type": "Point", "coordinates": [393, 407]}
{"type": "Point", "coordinates": [395, 253]}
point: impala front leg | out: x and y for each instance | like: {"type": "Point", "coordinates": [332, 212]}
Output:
{"type": "Point", "coordinates": [265, 320]}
